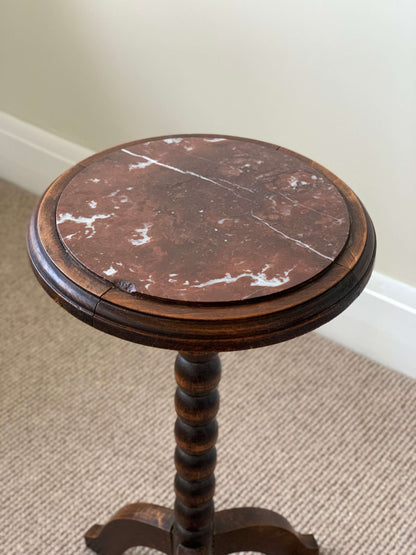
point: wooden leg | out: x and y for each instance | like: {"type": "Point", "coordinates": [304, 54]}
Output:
{"type": "Point", "coordinates": [189, 528]}
{"type": "Point", "coordinates": [136, 524]}
{"type": "Point", "coordinates": [196, 430]}
{"type": "Point", "coordinates": [243, 529]}
{"type": "Point", "coordinates": [193, 528]}
{"type": "Point", "coordinates": [252, 529]}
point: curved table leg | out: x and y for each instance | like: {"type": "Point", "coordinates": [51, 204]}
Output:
{"type": "Point", "coordinates": [243, 529]}
{"type": "Point", "coordinates": [141, 524]}
{"type": "Point", "coordinates": [252, 529]}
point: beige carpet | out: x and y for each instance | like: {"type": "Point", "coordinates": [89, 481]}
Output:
{"type": "Point", "coordinates": [307, 428]}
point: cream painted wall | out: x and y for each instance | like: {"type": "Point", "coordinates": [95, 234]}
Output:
{"type": "Point", "coordinates": [332, 79]}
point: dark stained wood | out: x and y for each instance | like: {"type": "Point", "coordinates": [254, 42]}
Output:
{"type": "Point", "coordinates": [136, 524]}
{"type": "Point", "coordinates": [252, 529]}
{"type": "Point", "coordinates": [196, 431]}
{"type": "Point", "coordinates": [241, 529]}
{"type": "Point", "coordinates": [199, 329]}
{"type": "Point", "coordinates": [193, 527]}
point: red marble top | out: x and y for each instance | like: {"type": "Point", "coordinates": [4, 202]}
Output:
{"type": "Point", "coordinates": [202, 219]}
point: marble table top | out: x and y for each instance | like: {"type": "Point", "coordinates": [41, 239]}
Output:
{"type": "Point", "coordinates": [202, 219]}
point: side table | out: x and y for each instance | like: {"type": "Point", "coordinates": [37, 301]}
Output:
{"type": "Point", "coordinates": [200, 244]}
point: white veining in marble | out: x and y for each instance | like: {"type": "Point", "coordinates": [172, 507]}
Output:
{"type": "Point", "coordinates": [144, 236]}
{"type": "Point", "coordinates": [89, 222]}
{"type": "Point", "coordinates": [140, 165]}
{"type": "Point", "coordinates": [293, 182]}
{"type": "Point", "coordinates": [235, 185]}
{"type": "Point", "coordinates": [300, 243]}
{"type": "Point", "coordinates": [173, 168]}
{"type": "Point", "coordinates": [110, 272]}
{"type": "Point", "coordinates": [172, 140]}
{"type": "Point", "coordinates": [69, 237]}
{"type": "Point", "coordinates": [216, 140]}
{"type": "Point", "coordinates": [297, 203]}
{"type": "Point", "coordinates": [235, 220]}
{"type": "Point", "coordinates": [150, 281]}
{"type": "Point", "coordinates": [114, 193]}
{"type": "Point", "coordinates": [259, 279]}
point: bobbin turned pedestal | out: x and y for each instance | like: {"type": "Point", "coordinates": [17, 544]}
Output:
{"type": "Point", "coordinates": [200, 244]}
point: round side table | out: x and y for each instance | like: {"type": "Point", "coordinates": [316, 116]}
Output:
{"type": "Point", "coordinates": [200, 244]}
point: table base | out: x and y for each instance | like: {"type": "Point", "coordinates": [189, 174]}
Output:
{"type": "Point", "coordinates": [241, 529]}
{"type": "Point", "coordinates": [193, 526]}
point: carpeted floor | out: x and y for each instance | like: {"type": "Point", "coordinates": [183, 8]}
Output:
{"type": "Point", "coordinates": [307, 428]}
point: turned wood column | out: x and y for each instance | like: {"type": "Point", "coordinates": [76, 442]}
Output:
{"type": "Point", "coordinates": [196, 431]}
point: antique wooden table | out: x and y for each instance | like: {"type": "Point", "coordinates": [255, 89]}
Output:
{"type": "Point", "coordinates": [200, 244]}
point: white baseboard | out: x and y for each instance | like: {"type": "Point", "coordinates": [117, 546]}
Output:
{"type": "Point", "coordinates": [380, 324]}
{"type": "Point", "coordinates": [32, 157]}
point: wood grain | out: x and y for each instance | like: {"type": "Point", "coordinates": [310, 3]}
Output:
{"type": "Point", "coordinates": [135, 524]}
